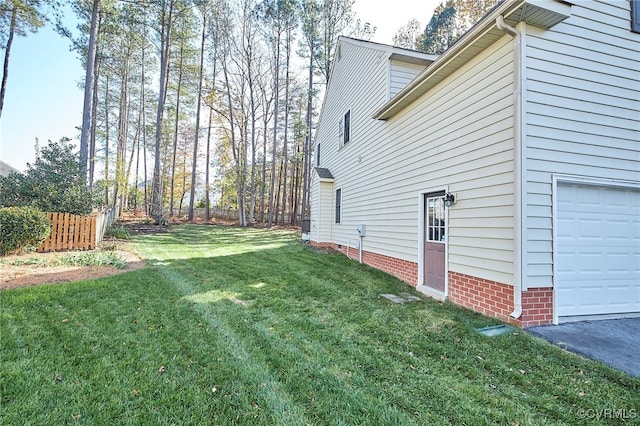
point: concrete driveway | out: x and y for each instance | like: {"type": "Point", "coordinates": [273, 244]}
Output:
{"type": "Point", "coordinates": [612, 342]}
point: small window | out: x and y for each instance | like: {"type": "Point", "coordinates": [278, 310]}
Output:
{"type": "Point", "coordinates": [318, 155]}
{"type": "Point", "coordinates": [347, 128]}
{"type": "Point", "coordinates": [635, 16]}
{"type": "Point", "coordinates": [338, 204]}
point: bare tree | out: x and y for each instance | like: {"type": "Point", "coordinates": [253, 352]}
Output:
{"type": "Point", "coordinates": [88, 88]}
{"type": "Point", "coordinates": [176, 126]}
{"type": "Point", "coordinates": [290, 26]}
{"type": "Point", "coordinates": [409, 36]}
{"type": "Point", "coordinates": [166, 16]}
{"type": "Point", "coordinates": [276, 15]}
{"type": "Point", "coordinates": [203, 13]}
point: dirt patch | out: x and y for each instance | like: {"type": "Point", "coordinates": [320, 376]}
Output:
{"type": "Point", "coordinates": [37, 273]}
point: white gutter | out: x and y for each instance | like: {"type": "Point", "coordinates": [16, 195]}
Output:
{"type": "Point", "coordinates": [517, 161]}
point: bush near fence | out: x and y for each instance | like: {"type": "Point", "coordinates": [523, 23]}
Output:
{"type": "Point", "coordinates": [75, 232]}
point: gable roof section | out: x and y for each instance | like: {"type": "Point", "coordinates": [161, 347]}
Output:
{"type": "Point", "coordinates": [324, 174]}
{"type": "Point", "coordinates": [539, 13]}
{"type": "Point", "coordinates": [391, 52]}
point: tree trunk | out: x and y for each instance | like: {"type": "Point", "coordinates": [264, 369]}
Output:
{"type": "Point", "coordinates": [263, 186]}
{"type": "Point", "coordinates": [195, 143]}
{"type": "Point", "coordinates": [274, 149]}
{"type": "Point", "coordinates": [144, 136]}
{"type": "Point", "coordinates": [207, 212]}
{"type": "Point", "coordinates": [135, 199]}
{"type": "Point", "coordinates": [143, 124]}
{"type": "Point", "coordinates": [94, 122]}
{"type": "Point", "coordinates": [7, 52]}
{"type": "Point", "coordinates": [279, 186]}
{"type": "Point", "coordinates": [123, 131]}
{"type": "Point", "coordinates": [252, 201]}
{"type": "Point", "coordinates": [175, 134]}
{"type": "Point", "coordinates": [306, 179]}
{"type": "Point", "coordinates": [165, 36]}
{"type": "Point", "coordinates": [285, 152]}
{"type": "Point", "coordinates": [234, 148]}
{"type": "Point", "coordinates": [88, 89]}
{"type": "Point", "coordinates": [184, 178]}
{"type": "Point", "coordinates": [134, 146]}
{"type": "Point", "coordinates": [106, 143]}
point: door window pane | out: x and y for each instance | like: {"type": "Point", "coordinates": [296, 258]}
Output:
{"type": "Point", "coordinates": [435, 219]}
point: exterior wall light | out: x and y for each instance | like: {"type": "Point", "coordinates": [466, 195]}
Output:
{"type": "Point", "coordinates": [449, 199]}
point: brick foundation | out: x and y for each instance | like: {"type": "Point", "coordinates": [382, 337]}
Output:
{"type": "Point", "coordinates": [496, 299]}
{"type": "Point", "coordinates": [488, 297]}
{"type": "Point", "coordinates": [402, 269]}
{"type": "Point", "coordinates": [537, 307]}
{"type": "Point", "coordinates": [485, 296]}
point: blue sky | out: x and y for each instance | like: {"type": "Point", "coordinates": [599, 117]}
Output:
{"type": "Point", "coordinates": [44, 99]}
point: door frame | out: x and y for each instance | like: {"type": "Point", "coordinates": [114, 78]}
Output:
{"type": "Point", "coordinates": [559, 179]}
{"type": "Point", "coordinates": [421, 287]}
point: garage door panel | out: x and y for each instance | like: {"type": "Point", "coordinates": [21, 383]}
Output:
{"type": "Point", "coordinates": [593, 301]}
{"type": "Point", "coordinates": [598, 250]}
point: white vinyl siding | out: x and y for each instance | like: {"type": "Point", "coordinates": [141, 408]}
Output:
{"type": "Point", "coordinates": [583, 117]}
{"type": "Point", "coordinates": [322, 210]}
{"type": "Point", "coordinates": [400, 74]}
{"type": "Point", "coordinates": [360, 66]}
{"type": "Point", "coordinates": [316, 206]}
{"type": "Point", "coordinates": [458, 136]}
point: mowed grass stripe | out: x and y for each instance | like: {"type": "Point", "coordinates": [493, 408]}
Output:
{"type": "Point", "coordinates": [284, 335]}
{"type": "Point", "coordinates": [261, 350]}
{"type": "Point", "coordinates": [251, 369]}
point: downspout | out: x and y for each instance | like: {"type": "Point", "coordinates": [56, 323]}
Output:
{"type": "Point", "coordinates": [517, 162]}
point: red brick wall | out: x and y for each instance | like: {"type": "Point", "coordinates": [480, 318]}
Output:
{"type": "Point", "coordinates": [485, 296]}
{"type": "Point", "coordinates": [537, 306]}
{"type": "Point", "coordinates": [496, 299]}
{"type": "Point", "coordinates": [403, 269]}
{"type": "Point", "coordinates": [488, 297]}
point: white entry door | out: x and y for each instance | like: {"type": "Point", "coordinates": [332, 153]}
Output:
{"type": "Point", "coordinates": [598, 251]}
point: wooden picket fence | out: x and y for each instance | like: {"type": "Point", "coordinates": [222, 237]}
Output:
{"type": "Point", "coordinates": [74, 232]}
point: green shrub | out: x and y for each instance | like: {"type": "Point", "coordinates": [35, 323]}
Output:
{"type": "Point", "coordinates": [54, 183]}
{"type": "Point", "coordinates": [118, 231]}
{"type": "Point", "coordinates": [22, 228]}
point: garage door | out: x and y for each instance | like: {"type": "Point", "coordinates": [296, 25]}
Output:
{"type": "Point", "coordinates": [598, 251]}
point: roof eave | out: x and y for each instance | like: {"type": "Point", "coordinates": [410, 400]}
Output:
{"type": "Point", "coordinates": [484, 31]}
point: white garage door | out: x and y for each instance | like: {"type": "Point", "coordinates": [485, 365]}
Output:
{"type": "Point", "coordinates": [598, 251]}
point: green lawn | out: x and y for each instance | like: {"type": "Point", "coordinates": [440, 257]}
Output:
{"type": "Point", "coordinates": [243, 326]}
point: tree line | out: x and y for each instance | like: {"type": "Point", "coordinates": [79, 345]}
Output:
{"type": "Point", "coordinates": [188, 103]}
{"type": "Point", "coordinates": [450, 20]}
